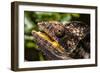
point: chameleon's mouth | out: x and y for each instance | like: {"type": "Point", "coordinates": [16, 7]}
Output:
{"type": "Point", "coordinates": [47, 38]}
{"type": "Point", "coordinates": [44, 36]}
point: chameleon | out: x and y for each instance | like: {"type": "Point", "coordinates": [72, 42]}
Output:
{"type": "Point", "coordinates": [62, 41]}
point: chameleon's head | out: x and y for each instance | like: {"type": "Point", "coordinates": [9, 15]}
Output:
{"type": "Point", "coordinates": [52, 28]}
{"type": "Point", "coordinates": [62, 38]}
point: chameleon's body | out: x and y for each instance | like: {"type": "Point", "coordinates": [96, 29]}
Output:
{"type": "Point", "coordinates": [63, 41]}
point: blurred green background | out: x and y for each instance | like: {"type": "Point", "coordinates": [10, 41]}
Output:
{"type": "Point", "coordinates": [30, 22]}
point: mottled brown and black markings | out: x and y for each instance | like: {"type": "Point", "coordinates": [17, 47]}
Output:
{"type": "Point", "coordinates": [68, 36]}
{"type": "Point", "coordinates": [83, 48]}
{"type": "Point", "coordinates": [79, 31]}
{"type": "Point", "coordinates": [75, 31]}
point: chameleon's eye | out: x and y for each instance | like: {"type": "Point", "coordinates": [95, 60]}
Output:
{"type": "Point", "coordinates": [59, 33]}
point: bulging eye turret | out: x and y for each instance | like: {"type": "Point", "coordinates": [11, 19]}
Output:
{"type": "Point", "coordinates": [60, 33]}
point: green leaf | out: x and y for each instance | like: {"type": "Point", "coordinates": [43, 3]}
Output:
{"type": "Point", "coordinates": [41, 56]}
{"type": "Point", "coordinates": [31, 45]}
{"type": "Point", "coordinates": [76, 15]}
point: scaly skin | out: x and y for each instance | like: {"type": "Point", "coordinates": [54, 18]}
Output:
{"type": "Point", "coordinates": [68, 36]}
